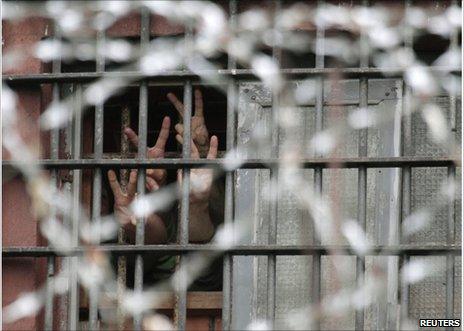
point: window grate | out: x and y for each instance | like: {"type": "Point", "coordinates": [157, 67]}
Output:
{"type": "Point", "coordinates": [188, 80]}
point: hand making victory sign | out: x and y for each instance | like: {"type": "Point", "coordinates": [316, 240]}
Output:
{"type": "Point", "coordinates": [201, 226]}
{"type": "Point", "coordinates": [156, 231]}
{"type": "Point", "coordinates": [154, 176]}
{"type": "Point", "coordinates": [199, 131]}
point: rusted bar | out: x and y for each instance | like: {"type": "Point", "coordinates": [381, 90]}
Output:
{"type": "Point", "coordinates": [124, 174]}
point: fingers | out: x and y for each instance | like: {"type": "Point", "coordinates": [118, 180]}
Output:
{"type": "Point", "coordinates": [151, 184]}
{"type": "Point", "coordinates": [179, 176]}
{"type": "Point", "coordinates": [180, 106]}
{"type": "Point", "coordinates": [132, 136]}
{"type": "Point", "coordinates": [177, 104]}
{"type": "Point", "coordinates": [179, 128]}
{"type": "Point", "coordinates": [179, 139]}
{"type": "Point", "coordinates": [198, 103]}
{"type": "Point", "coordinates": [132, 184]}
{"type": "Point", "coordinates": [163, 136]}
{"type": "Point", "coordinates": [114, 184]}
{"type": "Point", "coordinates": [157, 174]}
{"type": "Point", "coordinates": [213, 148]}
{"type": "Point", "coordinates": [194, 153]}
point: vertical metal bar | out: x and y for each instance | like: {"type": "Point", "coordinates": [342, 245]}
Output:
{"type": "Point", "coordinates": [274, 176]}
{"type": "Point", "coordinates": [454, 44]}
{"type": "Point", "coordinates": [97, 178]}
{"type": "Point", "coordinates": [184, 211]}
{"type": "Point", "coordinates": [181, 302]}
{"type": "Point", "coordinates": [450, 237]}
{"type": "Point", "coordinates": [316, 258]}
{"type": "Point", "coordinates": [184, 229]}
{"type": "Point", "coordinates": [125, 123]}
{"type": "Point", "coordinates": [54, 155]}
{"type": "Point", "coordinates": [65, 265]}
{"type": "Point", "coordinates": [406, 171]}
{"type": "Point", "coordinates": [229, 189]}
{"type": "Point", "coordinates": [48, 319]}
{"type": "Point", "coordinates": [73, 315]}
{"type": "Point", "coordinates": [362, 171]}
{"type": "Point", "coordinates": [362, 197]}
{"type": "Point", "coordinates": [142, 149]}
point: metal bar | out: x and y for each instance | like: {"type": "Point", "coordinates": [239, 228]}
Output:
{"type": "Point", "coordinates": [229, 188]}
{"type": "Point", "coordinates": [181, 295]}
{"type": "Point", "coordinates": [180, 76]}
{"type": "Point", "coordinates": [406, 170]}
{"type": "Point", "coordinates": [54, 155]}
{"type": "Point", "coordinates": [181, 306]}
{"type": "Point", "coordinates": [48, 318]}
{"type": "Point", "coordinates": [242, 250]}
{"type": "Point", "coordinates": [274, 178]}
{"type": "Point", "coordinates": [362, 171]}
{"type": "Point", "coordinates": [362, 198]}
{"type": "Point", "coordinates": [73, 314]}
{"type": "Point", "coordinates": [97, 178]}
{"type": "Point", "coordinates": [316, 259]}
{"type": "Point", "coordinates": [124, 173]}
{"type": "Point", "coordinates": [264, 163]}
{"type": "Point", "coordinates": [141, 155]}
{"type": "Point", "coordinates": [454, 44]}
{"type": "Point", "coordinates": [450, 237]}
{"type": "Point", "coordinates": [184, 231]}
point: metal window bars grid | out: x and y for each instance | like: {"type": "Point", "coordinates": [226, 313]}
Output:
{"type": "Point", "coordinates": [187, 79]}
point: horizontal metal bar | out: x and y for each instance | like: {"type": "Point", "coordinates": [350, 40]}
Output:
{"type": "Point", "coordinates": [336, 163]}
{"type": "Point", "coordinates": [237, 74]}
{"type": "Point", "coordinates": [176, 249]}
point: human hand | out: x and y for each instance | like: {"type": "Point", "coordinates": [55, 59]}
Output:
{"type": "Point", "coordinates": [155, 230]}
{"type": "Point", "coordinates": [201, 179]}
{"type": "Point", "coordinates": [122, 200]}
{"type": "Point", "coordinates": [199, 131]}
{"type": "Point", "coordinates": [155, 152]}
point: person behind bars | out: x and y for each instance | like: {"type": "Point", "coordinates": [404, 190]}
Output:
{"type": "Point", "coordinates": [206, 201]}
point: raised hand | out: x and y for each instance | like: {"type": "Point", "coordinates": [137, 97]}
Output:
{"type": "Point", "coordinates": [199, 131]}
{"type": "Point", "coordinates": [201, 227]}
{"type": "Point", "coordinates": [155, 230]}
{"type": "Point", "coordinates": [122, 199]}
{"type": "Point", "coordinates": [154, 176]}
{"type": "Point", "coordinates": [201, 179]}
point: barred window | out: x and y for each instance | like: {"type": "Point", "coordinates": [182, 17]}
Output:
{"type": "Point", "coordinates": [297, 164]}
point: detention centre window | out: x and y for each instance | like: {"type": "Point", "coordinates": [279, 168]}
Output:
{"type": "Point", "coordinates": [337, 176]}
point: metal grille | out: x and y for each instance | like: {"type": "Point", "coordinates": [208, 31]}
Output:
{"type": "Point", "coordinates": [407, 163]}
